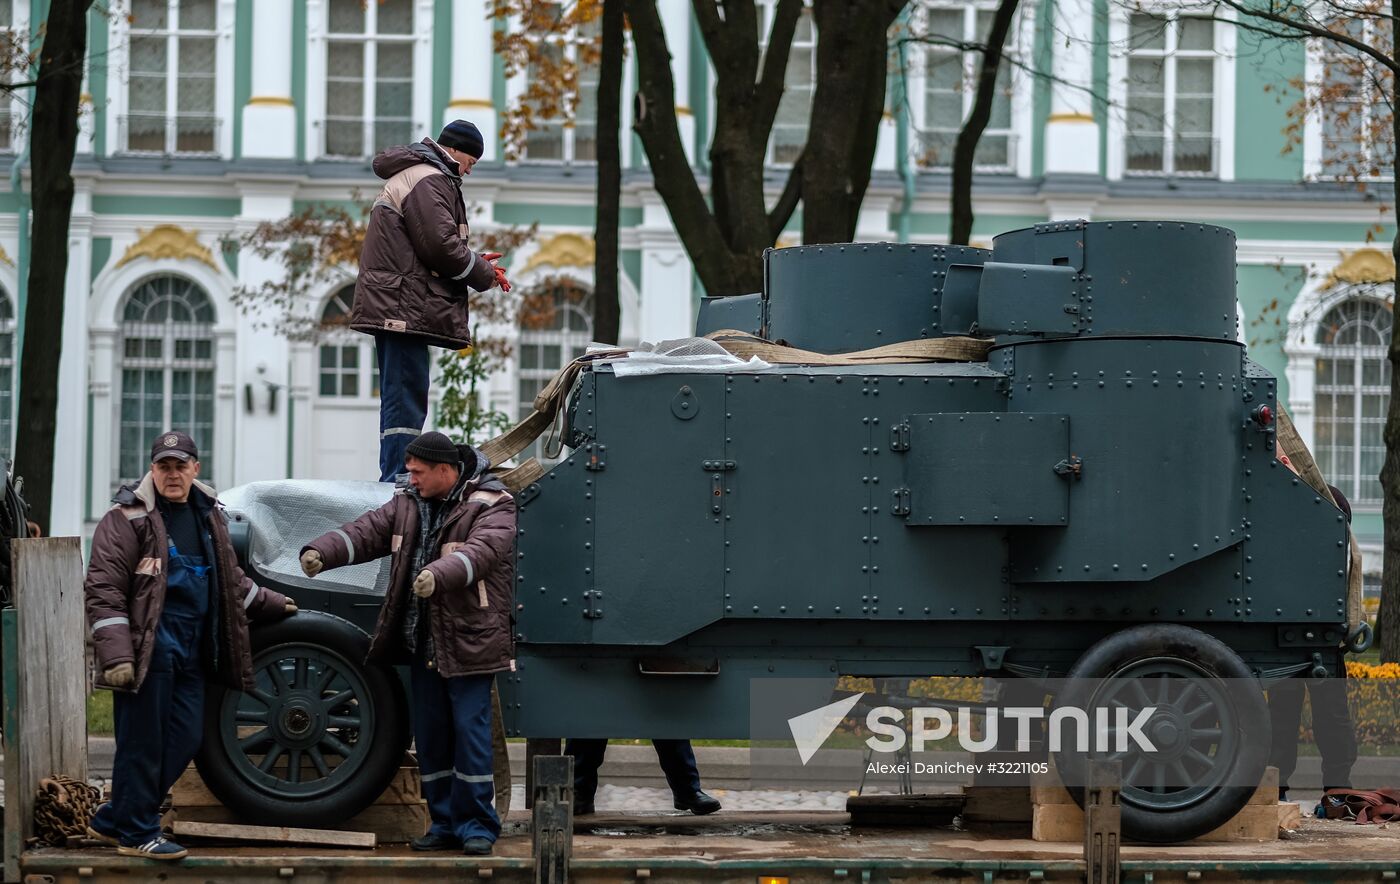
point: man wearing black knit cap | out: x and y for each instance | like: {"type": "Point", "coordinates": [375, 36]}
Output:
{"type": "Point", "coordinates": [416, 273]}
{"type": "Point", "coordinates": [446, 613]}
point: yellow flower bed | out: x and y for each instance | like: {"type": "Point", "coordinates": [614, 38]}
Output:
{"type": "Point", "coordinates": [1373, 694]}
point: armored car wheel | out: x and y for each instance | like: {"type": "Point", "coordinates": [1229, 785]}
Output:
{"type": "Point", "coordinates": [1208, 728]}
{"type": "Point", "coordinates": [318, 739]}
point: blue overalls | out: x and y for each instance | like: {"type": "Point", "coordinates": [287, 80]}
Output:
{"type": "Point", "coordinates": [159, 727]}
{"type": "Point", "coordinates": [452, 735]}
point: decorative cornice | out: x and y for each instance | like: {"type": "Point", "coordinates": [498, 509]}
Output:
{"type": "Point", "coordinates": [563, 250]}
{"type": "Point", "coordinates": [471, 102]}
{"type": "Point", "coordinates": [168, 241]}
{"type": "Point", "coordinates": [270, 101]}
{"type": "Point", "coordinates": [1361, 266]}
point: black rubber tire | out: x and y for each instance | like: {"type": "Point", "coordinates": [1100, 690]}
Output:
{"type": "Point", "coordinates": [231, 779]}
{"type": "Point", "coordinates": [1220, 669]}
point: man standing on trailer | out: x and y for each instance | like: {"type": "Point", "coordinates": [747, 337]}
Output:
{"type": "Point", "coordinates": [168, 606]}
{"type": "Point", "coordinates": [415, 276]}
{"type": "Point", "coordinates": [447, 614]}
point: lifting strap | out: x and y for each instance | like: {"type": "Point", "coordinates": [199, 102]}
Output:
{"type": "Point", "coordinates": [1293, 446]}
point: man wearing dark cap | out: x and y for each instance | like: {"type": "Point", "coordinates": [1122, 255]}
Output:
{"type": "Point", "coordinates": [416, 272]}
{"type": "Point", "coordinates": [446, 613]}
{"type": "Point", "coordinates": [168, 606]}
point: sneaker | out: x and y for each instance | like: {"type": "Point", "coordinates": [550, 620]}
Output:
{"type": "Point", "coordinates": [105, 839]}
{"type": "Point", "coordinates": [434, 841]}
{"type": "Point", "coordinates": [477, 847]}
{"type": "Point", "coordinates": [159, 847]}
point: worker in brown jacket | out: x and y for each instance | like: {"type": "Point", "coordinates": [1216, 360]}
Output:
{"type": "Point", "coordinates": [447, 614]}
{"type": "Point", "coordinates": [416, 273]}
{"type": "Point", "coordinates": [168, 606]}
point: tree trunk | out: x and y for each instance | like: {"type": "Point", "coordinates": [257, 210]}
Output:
{"type": "Point", "coordinates": [607, 309]}
{"type": "Point", "coordinates": [1388, 620]}
{"type": "Point", "coordinates": [54, 134]}
{"type": "Point", "coordinates": [849, 102]}
{"type": "Point", "coordinates": [965, 150]}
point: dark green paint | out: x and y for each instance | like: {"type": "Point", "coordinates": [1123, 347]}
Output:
{"type": "Point", "coordinates": [299, 76]}
{"type": "Point", "coordinates": [242, 69]}
{"type": "Point", "coordinates": [186, 206]}
{"type": "Point", "coordinates": [101, 254]}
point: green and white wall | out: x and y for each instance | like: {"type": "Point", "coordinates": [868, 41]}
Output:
{"type": "Point", "coordinates": [143, 216]}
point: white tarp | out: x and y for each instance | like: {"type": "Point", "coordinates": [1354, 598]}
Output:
{"type": "Point", "coordinates": [681, 356]}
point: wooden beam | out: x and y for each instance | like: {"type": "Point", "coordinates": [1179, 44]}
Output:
{"type": "Point", "coordinates": [276, 834]}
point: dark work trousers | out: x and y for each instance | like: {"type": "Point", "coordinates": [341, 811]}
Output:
{"type": "Point", "coordinates": [677, 762]}
{"type": "Point", "coordinates": [1331, 724]}
{"type": "Point", "coordinates": [403, 397]}
{"type": "Point", "coordinates": [452, 732]}
{"type": "Point", "coordinates": [159, 727]}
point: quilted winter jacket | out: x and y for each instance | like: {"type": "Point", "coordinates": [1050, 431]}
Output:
{"type": "Point", "coordinates": [125, 587]}
{"type": "Point", "coordinates": [474, 567]}
{"type": "Point", "coordinates": [415, 266]}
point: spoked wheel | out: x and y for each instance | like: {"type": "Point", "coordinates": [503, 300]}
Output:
{"type": "Point", "coordinates": [319, 737]}
{"type": "Point", "coordinates": [1207, 728]}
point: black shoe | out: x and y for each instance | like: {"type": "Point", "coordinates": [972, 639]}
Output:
{"type": "Point", "coordinates": [477, 847]}
{"type": "Point", "coordinates": [698, 804]}
{"type": "Point", "coordinates": [434, 841]}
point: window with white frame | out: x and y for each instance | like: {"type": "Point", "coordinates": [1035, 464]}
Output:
{"type": "Point", "coordinates": [1171, 96]}
{"type": "Point", "coordinates": [789, 135]}
{"type": "Point", "coordinates": [369, 77]}
{"type": "Point", "coordinates": [1351, 105]}
{"type": "Point", "coordinates": [950, 89]}
{"type": "Point", "coordinates": [171, 81]}
{"type": "Point", "coordinates": [7, 374]}
{"type": "Point", "coordinates": [347, 368]}
{"type": "Point", "coordinates": [167, 371]}
{"type": "Point", "coordinates": [570, 136]}
{"type": "Point", "coordinates": [560, 336]}
{"type": "Point", "coordinates": [1352, 394]}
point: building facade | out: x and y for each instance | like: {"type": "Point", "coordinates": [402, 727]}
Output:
{"type": "Point", "coordinates": [203, 118]}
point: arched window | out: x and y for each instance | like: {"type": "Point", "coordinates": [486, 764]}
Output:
{"type": "Point", "coordinates": [556, 333]}
{"type": "Point", "coordinates": [1353, 392]}
{"type": "Point", "coordinates": [348, 368]}
{"type": "Point", "coordinates": [167, 371]}
{"type": "Point", "coordinates": [7, 374]}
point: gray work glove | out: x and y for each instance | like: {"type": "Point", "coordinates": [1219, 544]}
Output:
{"type": "Point", "coordinates": [424, 584]}
{"type": "Point", "coordinates": [311, 563]}
{"type": "Point", "coordinates": [120, 676]}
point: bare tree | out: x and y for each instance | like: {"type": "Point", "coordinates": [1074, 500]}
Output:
{"type": "Point", "coordinates": [607, 305]}
{"type": "Point", "coordinates": [54, 128]}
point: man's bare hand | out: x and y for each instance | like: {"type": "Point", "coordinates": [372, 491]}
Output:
{"type": "Point", "coordinates": [120, 676]}
{"type": "Point", "coordinates": [424, 584]}
{"type": "Point", "coordinates": [311, 563]}
{"type": "Point", "coordinates": [291, 607]}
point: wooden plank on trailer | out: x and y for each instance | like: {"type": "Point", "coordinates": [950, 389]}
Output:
{"type": "Point", "coordinates": [9, 645]}
{"type": "Point", "coordinates": [50, 700]}
{"type": "Point", "coordinates": [278, 834]}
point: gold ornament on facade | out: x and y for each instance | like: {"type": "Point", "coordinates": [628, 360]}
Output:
{"type": "Point", "coordinates": [168, 241]}
{"type": "Point", "coordinates": [5, 257]}
{"type": "Point", "coordinates": [563, 250]}
{"type": "Point", "coordinates": [1363, 266]}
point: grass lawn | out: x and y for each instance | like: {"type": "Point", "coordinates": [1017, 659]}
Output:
{"type": "Point", "coordinates": [99, 713]}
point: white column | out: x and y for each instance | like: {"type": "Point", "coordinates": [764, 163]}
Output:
{"type": "Point", "coordinates": [70, 429]}
{"type": "Point", "coordinates": [1071, 135]}
{"type": "Point", "coordinates": [260, 358]}
{"type": "Point", "coordinates": [270, 117]}
{"type": "Point", "coordinates": [103, 359]}
{"type": "Point", "coordinates": [666, 278]}
{"type": "Point", "coordinates": [301, 375]}
{"type": "Point", "coordinates": [472, 73]}
{"type": "Point", "coordinates": [886, 142]}
{"type": "Point", "coordinates": [675, 21]}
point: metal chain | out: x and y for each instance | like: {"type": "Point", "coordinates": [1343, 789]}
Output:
{"type": "Point", "coordinates": [63, 807]}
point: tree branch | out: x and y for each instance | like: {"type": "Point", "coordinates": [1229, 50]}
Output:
{"type": "Point", "coordinates": [787, 200]}
{"type": "Point", "coordinates": [775, 61]}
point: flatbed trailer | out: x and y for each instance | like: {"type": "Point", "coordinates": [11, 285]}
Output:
{"type": "Point", "coordinates": [801, 847]}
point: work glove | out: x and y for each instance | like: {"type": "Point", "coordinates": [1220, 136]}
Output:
{"type": "Point", "coordinates": [311, 563]}
{"type": "Point", "coordinates": [291, 607]}
{"type": "Point", "coordinates": [501, 280]}
{"type": "Point", "coordinates": [424, 584]}
{"type": "Point", "coordinates": [120, 676]}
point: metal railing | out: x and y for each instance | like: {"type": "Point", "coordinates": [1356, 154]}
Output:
{"type": "Point", "coordinates": [152, 134]}
{"type": "Point", "coordinates": [1192, 156]}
